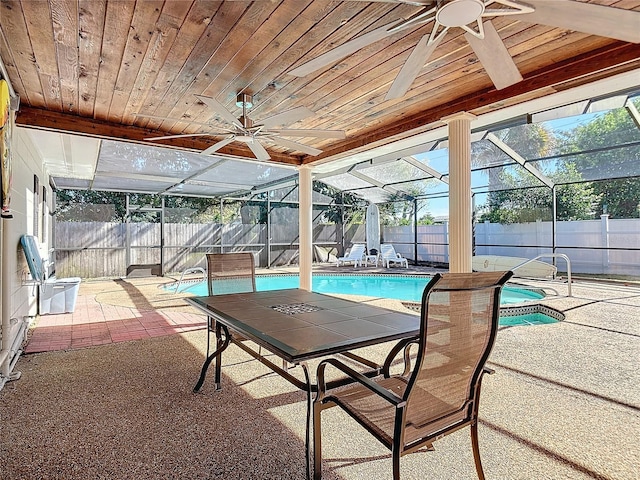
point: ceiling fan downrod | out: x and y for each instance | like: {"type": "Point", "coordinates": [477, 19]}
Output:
{"type": "Point", "coordinates": [245, 101]}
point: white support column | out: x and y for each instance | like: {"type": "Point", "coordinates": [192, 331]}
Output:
{"type": "Point", "coordinates": [460, 206]}
{"type": "Point", "coordinates": [305, 214]}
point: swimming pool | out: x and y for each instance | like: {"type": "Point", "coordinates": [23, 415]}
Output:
{"type": "Point", "coordinates": [398, 287]}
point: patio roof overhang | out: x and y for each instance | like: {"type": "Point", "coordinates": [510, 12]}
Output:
{"type": "Point", "coordinates": [401, 167]}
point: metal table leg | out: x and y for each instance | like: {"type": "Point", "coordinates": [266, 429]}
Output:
{"type": "Point", "coordinates": [307, 450]}
{"type": "Point", "coordinates": [221, 345]}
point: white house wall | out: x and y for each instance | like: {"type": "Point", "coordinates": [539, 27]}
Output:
{"type": "Point", "coordinates": [22, 298]}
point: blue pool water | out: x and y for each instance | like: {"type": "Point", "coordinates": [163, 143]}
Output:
{"type": "Point", "coordinates": [398, 287]}
{"type": "Point", "coordinates": [526, 319]}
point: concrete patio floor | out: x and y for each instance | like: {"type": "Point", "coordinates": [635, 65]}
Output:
{"type": "Point", "coordinates": [564, 402]}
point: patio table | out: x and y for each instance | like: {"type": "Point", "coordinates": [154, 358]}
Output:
{"type": "Point", "coordinates": [297, 326]}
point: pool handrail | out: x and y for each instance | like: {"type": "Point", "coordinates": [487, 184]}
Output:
{"type": "Point", "coordinates": [553, 255]}
{"type": "Point", "coordinates": [190, 270]}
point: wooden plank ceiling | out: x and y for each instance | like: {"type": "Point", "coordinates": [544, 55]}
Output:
{"type": "Point", "coordinates": [91, 66]}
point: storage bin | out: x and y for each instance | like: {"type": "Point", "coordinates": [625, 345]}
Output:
{"type": "Point", "coordinates": [59, 295]}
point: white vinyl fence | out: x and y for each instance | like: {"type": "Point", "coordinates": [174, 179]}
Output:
{"type": "Point", "coordinates": [604, 246]}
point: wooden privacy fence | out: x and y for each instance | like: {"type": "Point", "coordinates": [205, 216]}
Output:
{"type": "Point", "coordinates": [100, 249]}
{"type": "Point", "coordinates": [90, 249]}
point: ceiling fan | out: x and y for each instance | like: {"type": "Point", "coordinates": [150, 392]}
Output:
{"type": "Point", "coordinates": [485, 41]}
{"type": "Point", "coordinates": [244, 129]}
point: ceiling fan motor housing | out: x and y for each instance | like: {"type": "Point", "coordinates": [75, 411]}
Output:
{"type": "Point", "coordinates": [456, 13]}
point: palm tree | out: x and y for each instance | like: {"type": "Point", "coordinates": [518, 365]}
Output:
{"type": "Point", "coordinates": [497, 151]}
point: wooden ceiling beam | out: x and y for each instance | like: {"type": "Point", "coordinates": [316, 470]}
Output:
{"type": "Point", "coordinates": [73, 124]}
{"type": "Point", "coordinates": [617, 58]}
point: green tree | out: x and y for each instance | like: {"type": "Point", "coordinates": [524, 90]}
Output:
{"type": "Point", "coordinates": [426, 219]}
{"type": "Point", "coordinates": [424, 216]}
{"type": "Point", "coordinates": [512, 197]}
{"type": "Point", "coordinates": [523, 202]}
{"type": "Point", "coordinates": [354, 207]}
{"type": "Point", "coordinates": [520, 205]}
{"type": "Point", "coordinates": [192, 210]}
{"type": "Point", "coordinates": [528, 141]}
{"type": "Point", "coordinates": [397, 210]}
{"type": "Point", "coordinates": [574, 201]}
{"type": "Point", "coordinates": [90, 205]}
{"type": "Point", "coordinates": [612, 154]}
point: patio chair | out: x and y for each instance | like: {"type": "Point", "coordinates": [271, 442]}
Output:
{"type": "Point", "coordinates": [229, 273]}
{"type": "Point", "coordinates": [389, 255]}
{"type": "Point", "coordinates": [356, 255]}
{"type": "Point", "coordinates": [439, 390]}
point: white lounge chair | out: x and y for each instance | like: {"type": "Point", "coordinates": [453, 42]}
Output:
{"type": "Point", "coordinates": [389, 255]}
{"type": "Point", "coordinates": [356, 255]}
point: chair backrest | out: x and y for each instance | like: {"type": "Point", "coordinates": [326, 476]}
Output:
{"type": "Point", "coordinates": [231, 273]}
{"type": "Point", "coordinates": [459, 322]}
{"type": "Point", "coordinates": [387, 251]}
{"type": "Point", "coordinates": [357, 251]}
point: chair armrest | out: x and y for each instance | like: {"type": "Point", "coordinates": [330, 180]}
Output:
{"type": "Point", "coordinates": [401, 345]}
{"type": "Point", "coordinates": [387, 395]}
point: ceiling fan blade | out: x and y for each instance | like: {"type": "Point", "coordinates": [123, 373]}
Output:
{"type": "Point", "coordinates": [183, 135]}
{"type": "Point", "coordinates": [220, 109]}
{"type": "Point", "coordinates": [343, 50]}
{"type": "Point", "coordinates": [285, 118]}
{"type": "Point", "coordinates": [506, 7]}
{"type": "Point", "coordinates": [417, 3]}
{"type": "Point", "coordinates": [296, 146]}
{"type": "Point", "coordinates": [258, 150]}
{"type": "Point", "coordinates": [495, 57]}
{"type": "Point", "coordinates": [411, 68]}
{"type": "Point", "coordinates": [604, 21]}
{"type": "Point", "coordinates": [217, 146]}
{"type": "Point", "coordinates": [310, 133]}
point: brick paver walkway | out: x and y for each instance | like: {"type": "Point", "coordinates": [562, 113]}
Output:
{"type": "Point", "coordinates": [94, 323]}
